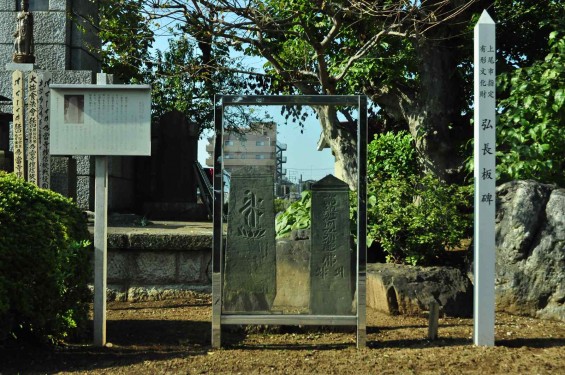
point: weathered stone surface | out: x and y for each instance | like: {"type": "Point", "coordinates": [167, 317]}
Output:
{"type": "Point", "coordinates": [250, 256]}
{"type": "Point", "coordinates": [118, 267]}
{"type": "Point", "coordinates": [409, 290]}
{"type": "Point", "coordinates": [49, 27]}
{"type": "Point", "coordinates": [293, 276]}
{"type": "Point", "coordinates": [190, 266]}
{"type": "Point", "coordinates": [156, 267]}
{"type": "Point", "coordinates": [153, 292]}
{"type": "Point", "coordinates": [300, 234]}
{"type": "Point", "coordinates": [530, 241]}
{"type": "Point", "coordinates": [142, 241]}
{"type": "Point", "coordinates": [330, 258]}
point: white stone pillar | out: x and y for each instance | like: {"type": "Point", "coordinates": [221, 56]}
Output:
{"type": "Point", "coordinates": [485, 180]}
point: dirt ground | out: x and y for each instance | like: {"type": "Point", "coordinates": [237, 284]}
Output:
{"type": "Point", "coordinates": [173, 336]}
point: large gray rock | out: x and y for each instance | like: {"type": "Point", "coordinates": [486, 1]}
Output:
{"type": "Point", "coordinates": [530, 256]}
{"type": "Point", "coordinates": [408, 290]}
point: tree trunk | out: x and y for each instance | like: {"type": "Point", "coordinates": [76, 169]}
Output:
{"type": "Point", "coordinates": [439, 127]}
{"type": "Point", "coordinates": [342, 140]}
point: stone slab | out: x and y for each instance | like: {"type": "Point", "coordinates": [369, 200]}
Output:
{"type": "Point", "coordinates": [21, 67]}
{"type": "Point", "coordinates": [293, 277]}
{"type": "Point", "coordinates": [330, 270]}
{"type": "Point", "coordinates": [250, 255]}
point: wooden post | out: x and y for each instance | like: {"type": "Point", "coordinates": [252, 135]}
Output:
{"type": "Point", "coordinates": [33, 133]}
{"type": "Point", "coordinates": [485, 180]}
{"type": "Point", "coordinates": [433, 320]}
{"type": "Point", "coordinates": [18, 123]}
{"type": "Point", "coordinates": [44, 158]}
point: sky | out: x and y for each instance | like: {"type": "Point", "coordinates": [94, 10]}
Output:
{"type": "Point", "coordinates": [303, 160]}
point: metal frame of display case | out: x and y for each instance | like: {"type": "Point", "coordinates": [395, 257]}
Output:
{"type": "Point", "coordinates": [359, 319]}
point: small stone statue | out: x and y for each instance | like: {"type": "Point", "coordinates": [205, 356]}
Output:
{"type": "Point", "coordinates": [24, 36]}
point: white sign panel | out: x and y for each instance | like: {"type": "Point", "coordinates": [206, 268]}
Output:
{"type": "Point", "coordinates": [100, 120]}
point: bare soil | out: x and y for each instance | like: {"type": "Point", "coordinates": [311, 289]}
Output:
{"type": "Point", "coordinates": [173, 336]}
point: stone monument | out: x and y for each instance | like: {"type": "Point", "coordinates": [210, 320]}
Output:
{"type": "Point", "coordinates": [250, 256]}
{"type": "Point", "coordinates": [169, 191]}
{"type": "Point", "coordinates": [330, 258]}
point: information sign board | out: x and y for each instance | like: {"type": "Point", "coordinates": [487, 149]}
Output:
{"type": "Point", "coordinates": [100, 120]}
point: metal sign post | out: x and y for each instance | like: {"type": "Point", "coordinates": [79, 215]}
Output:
{"type": "Point", "coordinates": [100, 120]}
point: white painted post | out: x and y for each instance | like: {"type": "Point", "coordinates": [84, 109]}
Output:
{"type": "Point", "coordinates": [485, 180]}
{"type": "Point", "coordinates": [100, 241]}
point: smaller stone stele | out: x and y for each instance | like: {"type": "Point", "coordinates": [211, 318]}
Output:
{"type": "Point", "coordinates": [331, 290]}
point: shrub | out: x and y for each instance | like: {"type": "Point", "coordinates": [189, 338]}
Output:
{"type": "Point", "coordinates": [391, 155]}
{"type": "Point", "coordinates": [44, 263]}
{"type": "Point", "coordinates": [415, 219]}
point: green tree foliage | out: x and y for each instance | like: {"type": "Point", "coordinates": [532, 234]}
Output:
{"type": "Point", "coordinates": [531, 125]}
{"type": "Point", "coordinates": [190, 69]}
{"type": "Point", "coordinates": [126, 36]}
{"type": "Point", "coordinates": [413, 59]}
{"type": "Point", "coordinates": [44, 263]}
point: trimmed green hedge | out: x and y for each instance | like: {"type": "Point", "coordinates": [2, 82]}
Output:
{"type": "Point", "coordinates": [44, 263]}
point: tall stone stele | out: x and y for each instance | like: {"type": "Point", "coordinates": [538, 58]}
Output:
{"type": "Point", "coordinates": [23, 43]}
{"type": "Point", "coordinates": [250, 257]}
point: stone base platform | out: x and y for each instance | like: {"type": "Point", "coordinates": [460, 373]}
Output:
{"type": "Point", "coordinates": [157, 260]}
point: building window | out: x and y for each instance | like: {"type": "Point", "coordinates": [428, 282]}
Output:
{"type": "Point", "coordinates": [243, 156]}
{"type": "Point", "coordinates": [259, 156]}
{"type": "Point", "coordinates": [260, 143]}
{"type": "Point", "coordinates": [228, 156]}
{"type": "Point", "coordinates": [34, 5]}
{"type": "Point", "coordinates": [228, 143]}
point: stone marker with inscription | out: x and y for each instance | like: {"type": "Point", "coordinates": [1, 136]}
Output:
{"type": "Point", "coordinates": [250, 256]}
{"type": "Point", "coordinates": [330, 258]}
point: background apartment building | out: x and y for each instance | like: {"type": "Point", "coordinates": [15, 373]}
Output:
{"type": "Point", "coordinates": [256, 145]}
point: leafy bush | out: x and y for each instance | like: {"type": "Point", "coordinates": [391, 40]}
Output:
{"type": "Point", "coordinates": [296, 216]}
{"type": "Point", "coordinates": [44, 263]}
{"type": "Point", "coordinates": [391, 155]}
{"type": "Point", "coordinates": [416, 218]}
{"type": "Point", "coordinates": [531, 126]}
